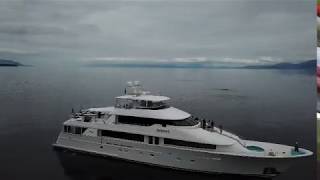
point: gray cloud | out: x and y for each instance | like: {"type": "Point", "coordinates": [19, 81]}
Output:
{"type": "Point", "coordinates": [249, 31]}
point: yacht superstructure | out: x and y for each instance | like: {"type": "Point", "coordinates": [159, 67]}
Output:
{"type": "Point", "coordinates": [144, 128]}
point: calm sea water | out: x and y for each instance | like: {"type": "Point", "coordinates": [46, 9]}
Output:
{"type": "Point", "coordinates": [265, 105]}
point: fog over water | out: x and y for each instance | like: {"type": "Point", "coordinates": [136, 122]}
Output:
{"type": "Point", "coordinates": [265, 105]}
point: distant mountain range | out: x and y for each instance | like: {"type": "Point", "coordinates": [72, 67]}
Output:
{"type": "Point", "coordinates": [310, 64]}
{"type": "Point", "coordinates": [148, 65]}
{"type": "Point", "coordinates": [4, 62]}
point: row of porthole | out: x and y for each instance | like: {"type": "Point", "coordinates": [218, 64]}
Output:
{"type": "Point", "coordinates": [178, 158]}
{"type": "Point", "coordinates": [126, 150]}
{"type": "Point", "coordinates": [117, 145]}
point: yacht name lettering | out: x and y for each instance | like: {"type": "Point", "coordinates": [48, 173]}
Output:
{"type": "Point", "coordinates": [163, 130]}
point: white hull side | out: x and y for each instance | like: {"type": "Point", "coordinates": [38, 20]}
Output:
{"type": "Point", "coordinates": [172, 157]}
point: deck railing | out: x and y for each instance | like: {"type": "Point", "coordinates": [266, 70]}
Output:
{"type": "Point", "coordinates": [227, 134]}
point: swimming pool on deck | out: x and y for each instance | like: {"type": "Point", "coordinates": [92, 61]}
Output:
{"type": "Point", "coordinates": [260, 149]}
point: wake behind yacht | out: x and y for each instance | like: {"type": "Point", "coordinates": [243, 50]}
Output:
{"type": "Point", "coordinates": [144, 128]}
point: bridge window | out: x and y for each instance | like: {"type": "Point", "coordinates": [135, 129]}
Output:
{"type": "Point", "coordinates": [66, 129]}
{"type": "Point", "coordinates": [150, 121]}
{"type": "Point", "coordinates": [73, 129]}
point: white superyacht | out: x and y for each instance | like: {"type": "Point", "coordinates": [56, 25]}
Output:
{"type": "Point", "coordinates": [142, 127]}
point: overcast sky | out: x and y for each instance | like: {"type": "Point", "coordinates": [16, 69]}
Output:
{"type": "Point", "coordinates": [231, 31]}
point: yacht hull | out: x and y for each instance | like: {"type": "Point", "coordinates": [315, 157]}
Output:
{"type": "Point", "coordinates": [176, 158]}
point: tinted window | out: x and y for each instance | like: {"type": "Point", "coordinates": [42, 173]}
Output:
{"type": "Point", "coordinates": [73, 130]}
{"type": "Point", "coordinates": [150, 140]}
{"type": "Point", "coordinates": [156, 140]}
{"type": "Point", "coordinates": [188, 144]}
{"type": "Point", "coordinates": [122, 135]}
{"type": "Point", "coordinates": [143, 103]}
{"type": "Point", "coordinates": [77, 130]}
{"type": "Point", "coordinates": [149, 121]}
{"type": "Point", "coordinates": [151, 105]}
{"type": "Point", "coordinates": [83, 129]}
{"type": "Point", "coordinates": [65, 128]}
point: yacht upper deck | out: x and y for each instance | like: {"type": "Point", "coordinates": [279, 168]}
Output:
{"type": "Point", "coordinates": [144, 97]}
{"type": "Point", "coordinates": [168, 114]}
{"type": "Point", "coordinates": [136, 98]}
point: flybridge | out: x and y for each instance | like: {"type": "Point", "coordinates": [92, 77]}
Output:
{"type": "Point", "coordinates": [135, 97]}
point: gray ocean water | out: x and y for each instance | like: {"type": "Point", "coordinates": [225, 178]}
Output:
{"type": "Point", "coordinates": [266, 105]}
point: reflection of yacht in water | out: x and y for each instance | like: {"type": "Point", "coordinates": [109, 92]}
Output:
{"type": "Point", "coordinates": [142, 127]}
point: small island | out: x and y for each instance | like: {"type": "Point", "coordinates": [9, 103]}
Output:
{"type": "Point", "coordinates": [4, 62]}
